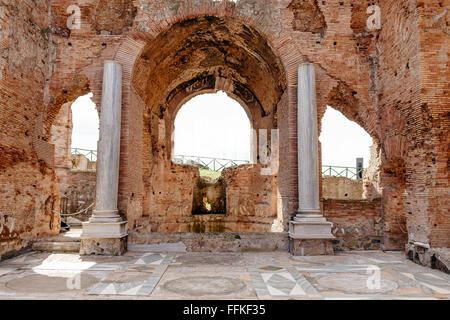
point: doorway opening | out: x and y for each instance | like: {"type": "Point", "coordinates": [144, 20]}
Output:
{"type": "Point", "coordinates": [212, 132]}
{"type": "Point", "coordinates": [346, 153]}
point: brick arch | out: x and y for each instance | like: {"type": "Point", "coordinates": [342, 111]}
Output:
{"type": "Point", "coordinates": [280, 42]}
{"type": "Point", "coordinates": [343, 98]}
{"type": "Point", "coordinates": [130, 54]}
{"type": "Point", "coordinates": [130, 49]}
{"type": "Point", "coordinates": [79, 86]}
{"type": "Point", "coordinates": [209, 47]}
{"type": "Point", "coordinates": [385, 177]}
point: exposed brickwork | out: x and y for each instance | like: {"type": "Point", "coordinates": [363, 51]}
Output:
{"type": "Point", "coordinates": [371, 178]}
{"type": "Point", "coordinates": [28, 189]}
{"type": "Point", "coordinates": [246, 201]}
{"type": "Point", "coordinates": [413, 109]}
{"type": "Point", "coordinates": [113, 16]}
{"type": "Point", "coordinates": [341, 188]}
{"type": "Point", "coordinates": [78, 186]}
{"type": "Point", "coordinates": [434, 35]}
{"type": "Point", "coordinates": [307, 16]}
{"type": "Point", "coordinates": [61, 137]}
{"type": "Point", "coordinates": [358, 224]}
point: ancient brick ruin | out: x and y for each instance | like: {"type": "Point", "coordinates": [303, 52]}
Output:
{"type": "Point", "coordinates": [392, 80]}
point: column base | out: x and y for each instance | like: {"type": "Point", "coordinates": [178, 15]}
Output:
{"type": "Point", "coordinates": [315, 247]}
{"type": "Point", "coordinates": [310, 226]}
{"type": "Point", "coordinates": [310, 235]}
{"type": "Point", "coordinates": [104, 238]}
{"type": "Point", "coordinates": [103, 246]}
{"type": "Point", "coordinates": [111, 216]}
{"type": "Point", "coordinates": [104, 230]}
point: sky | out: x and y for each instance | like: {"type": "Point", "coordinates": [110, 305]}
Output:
{"type": "Point", "coordinates": [343, 141]}
{"type": "Point", "coordinates": [214, 125]}
{"type": "Point", "coordinates": [85, 123]}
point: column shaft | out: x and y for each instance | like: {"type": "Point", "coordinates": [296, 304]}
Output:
{"type": "Point", "coordinates": [309, 231]}
{"type": "Point", "coordinates": [109, 145]}
{"type": "Point", "coordinates": [308, 148]}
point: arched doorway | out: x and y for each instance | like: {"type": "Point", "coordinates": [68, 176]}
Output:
{"type": "Point", "coordinates": [193, 57]}
{"type": "Point", "coordinates": [75, 134]}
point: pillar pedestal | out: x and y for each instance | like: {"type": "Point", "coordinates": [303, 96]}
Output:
{"type": "Point", "coordinates": [309, 231]}
{"type": "Point", "coordinates": [310, 226]}
{"type": "Point", "coordinates": [103, 246]}
{"type": "Point", "coordinates": [106, 233]}
{"type": "Point", "coordinates": [310, 235]}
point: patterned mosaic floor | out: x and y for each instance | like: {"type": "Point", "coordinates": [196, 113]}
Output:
{"type": "Point", "coordinates": [356, 275]}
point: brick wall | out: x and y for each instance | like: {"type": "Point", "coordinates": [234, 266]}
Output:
{"type": "Point", "coordinates": [434, 39]}
{"type": "Point", "coordinates": [399, 97]}
{"type": "Point", "coordinates": [357, 225]}
{"type": "Point", "coordinates": [376, 82]}
{"type": "Point", "coordinates": [341, 188]}
{"type": "Point", "coordinates": [78, 186]}
{"type": "Point", "coordinates": [28, 187]}
{"type": "Point", "coordinates": [413, 132]}
{"type": "Point", "coordinates": [61, 137]}
{"type": "Point", "coordinates": [274, 19]}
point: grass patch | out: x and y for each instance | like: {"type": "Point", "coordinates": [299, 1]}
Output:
{"type": "Point", "coordinates": [211, 174]}
{"type": "Point", "coordinates": [207, 204]}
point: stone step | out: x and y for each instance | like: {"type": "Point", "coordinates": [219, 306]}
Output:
{"type": "Point", "coordinates": [54, 246]}
{"type": "Point", "coordinates": [64, 242]}
{"type": "Point", "coordinates": [74, 235]}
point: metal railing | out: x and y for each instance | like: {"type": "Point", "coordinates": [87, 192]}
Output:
{"type": "Point", "coordinates": [218, 164]}
{"type": "Point", "coordinates": [90, 154]}
{"type": "Point", "coordinates": [65, 214]}
{"type": "Point", "coordinates": [345, 172]}
{"type": "Point", "coordinates": [213, 164]}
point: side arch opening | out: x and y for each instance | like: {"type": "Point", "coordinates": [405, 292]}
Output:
{"type": "Point", "coordinates": [75, 133]}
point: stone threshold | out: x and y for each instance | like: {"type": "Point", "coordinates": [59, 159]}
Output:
{"type": "Point", "coordinates": [209, 242]}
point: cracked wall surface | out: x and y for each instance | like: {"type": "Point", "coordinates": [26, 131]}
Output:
{"type": "Point", "coordinates": [308, 16]}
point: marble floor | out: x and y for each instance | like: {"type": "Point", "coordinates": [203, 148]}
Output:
{"type": "Point", "coordinates": [213, 276]}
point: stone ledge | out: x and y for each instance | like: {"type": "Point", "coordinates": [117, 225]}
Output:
{"type": "Point", "coordinates": [311, 237]}
{"type": "Point", "coordinates": [48, 246]}
{"type": "Point", "coordinates": [215, 242]}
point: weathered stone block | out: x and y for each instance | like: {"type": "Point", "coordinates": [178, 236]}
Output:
{"type": "Point", "coordinates": [107, 247]}
{"type": "Point", "coordinates": [310, 247]}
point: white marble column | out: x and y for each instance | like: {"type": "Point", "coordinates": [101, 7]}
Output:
{"type": "Point", "coordinates": [309, 222]}
{"type": "Point", "coordinates": [308, 146]}
{"type": "Point", "coordinates": [106, 221]}
{"type": "Point", "coordinates": [109, 145]}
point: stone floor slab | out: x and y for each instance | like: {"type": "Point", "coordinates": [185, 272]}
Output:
{"type": "Point", "coordinates": [200, 276]}
{"type": "Point", "coordinates": [280, 282]}
{"type": "Point", "coordinates": [5, 271]}
{"type": "Point", "coordinates": [129, 282]}
{"type": "Point", "coordinates": [205, 283]}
